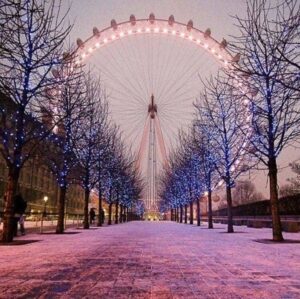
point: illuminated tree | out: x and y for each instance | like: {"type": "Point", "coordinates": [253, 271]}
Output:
{"type": "Point", "coordinates": [269, 68]}
{"type": "Point", "coordinates": [72, 109]}
{"type": "Point", "coordinates": [32, 36]}
{"type": "Point", "coordinates": [90, 138]}
{"type": "Point", "coordinates": [221, 112]}
{"type": "Point", "coordinates": [207, 160]}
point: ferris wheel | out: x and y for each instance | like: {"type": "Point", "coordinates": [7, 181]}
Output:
{"type": "Point", "coordinates": [151, 70]}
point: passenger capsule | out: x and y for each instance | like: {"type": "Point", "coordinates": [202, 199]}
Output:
{"type": "Point", "coordinates": [132, 20]}
{"type": "Point", "coordinates": [207, 33]}
{"type": "Point", "coordinates": [189, 25]}
{"type": "Point", "coordinates": [171, 20]}
{"type": "Point", "coordinates": [152, 18]}
{"type": "Point", "coordinates": [114, 24]}
{"type": "Point", "coordinates": [96, 32]}
{"type": "Point", "coordinates": [80, 43]}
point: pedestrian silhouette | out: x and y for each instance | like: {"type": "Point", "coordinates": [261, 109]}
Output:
{"type": "Point", "coordinates": [20, 206]}
{"type": "Point", "coordinates": [92, 215]}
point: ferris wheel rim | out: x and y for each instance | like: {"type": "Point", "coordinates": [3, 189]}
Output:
{"type": "Point", "coordinates": [83, 51]}
{"type": "Point", "coordinates": [212, 46]}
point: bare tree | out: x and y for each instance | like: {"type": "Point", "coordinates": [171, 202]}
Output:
{"type": "Point", "coordinates": [32, 36]}
{"type": "Point", "coordinates": [287, 23]}
{"type": "Point", "coordinates": [245, 192]}
{"type": "Point", "coordinates": [72, 108]}
{"type": "Point", "coordinates": [90, 138]}
{"type": "Point", "coordinates": [207, 160]}
{"type": "Point", "coordinates": [222, 114]}
{"type": "Point", "coordinates": [275, 106]}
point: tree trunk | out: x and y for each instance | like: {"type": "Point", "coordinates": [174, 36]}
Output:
{"type": "Point", "coordinates": [86, 224]}
{"type": "Point", "coordinates": [100, 220]}
{"type": "Point", "coordinates": [117, 213]}
{"type": "Point", "coordinates": [191, 213]}
{"type": "Point", "coordinates": [276, 223]}
{"type": "Point", "coordinates": [109, 213]}
{"type": "Point", "coordinates": [171, 214]}
{"type": "Point", "coordinates": [125, 214]}
{"type": "Point", "coordinates": [121, 213]}
{"type": "Point", "coordinates": [181, 213]}
{"type": "Point", "coordinates": [210, 219]}
{"type": "Point", "coordinates": [8, 221]}
{"type": "Point", "coordinates": [61, 210]}
{"type": "Point", "coordinates": [229, 210]}
{"type": "Point", "coordinates": [176, 214]}
{"type": "Point", "coordinates": [185, 213]}
{"type": "Point", "coordinates": [198, 212]}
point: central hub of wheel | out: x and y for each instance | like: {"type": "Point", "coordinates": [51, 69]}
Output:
{"type": "Point", "coordinates": [152, 108]}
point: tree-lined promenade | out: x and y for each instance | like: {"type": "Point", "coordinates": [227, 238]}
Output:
{"type": "Point", "coordinates": [48, 102]}
{"type": "Point", "coordinates": [244, 116]}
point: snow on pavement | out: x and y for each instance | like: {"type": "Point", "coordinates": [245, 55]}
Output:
{"type": "Point", "coordinates": [152, 260]}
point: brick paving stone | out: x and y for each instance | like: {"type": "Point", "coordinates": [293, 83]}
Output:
{"type": "Point", "coordinates": [152, 260]}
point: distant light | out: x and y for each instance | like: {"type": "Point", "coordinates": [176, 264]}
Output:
{"type": "Point", "coordinates": [121, 33]}
{"type": "Point", "coordinates": [198, 41]}
{"type": "Point", "coordinates": [165, 30]}
{"type": "Point", "coordinates": [173, 32]}
{"type": "Point", "coordinates": [190, 37]}
{"type": "Point", "coordinates": [213, 50]}
{"type": "Point", "coordinates": [139, 30]}
{"type": "Point", "coordinates": [105, 40]}
{"type": "Point", "coordinates": [129, 32]}
{"type": "Point", "coordinates": [182, 34]}
{"type": "Point", "coordinates": [205, 46]}
{"type": "Point", "coordinates": [147, 29]}
{"type": "Point", "coordinates": [97, 45]}
{"type": "Point", "coordinates": [90, 50]}
{"type": "Point", "coordinates": [156, 29]}
{"type": "Point", "coordinates": [113, 37]}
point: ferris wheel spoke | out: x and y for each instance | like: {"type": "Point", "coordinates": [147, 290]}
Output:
{"type": "Point", "coordinates": [135, 63]}
{"type": "Point", "coordinates": [122, 85]}
{"type": "Point", "coordinates": [124, 99]}
{"type": "Point", "coordinates": [184, 76]}
{"type": "Point", "coordinates": [127, 66]}
{"type": "Point", "coordinates": [165, 66]}
{"type": "Point", "coordinates": [114, 72]}
{"type": "Point", "coordinates": [177, 62]}
{"type": "Point", "coordinates": [138, 49]}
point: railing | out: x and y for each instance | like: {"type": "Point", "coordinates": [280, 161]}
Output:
{"type": "Point", "coordinates": [41, 222]}
{"type": "Point", "coordinates": [290, 223]}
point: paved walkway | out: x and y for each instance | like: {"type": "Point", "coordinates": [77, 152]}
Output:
{"type": "Point", "coordinates": [151, 260]}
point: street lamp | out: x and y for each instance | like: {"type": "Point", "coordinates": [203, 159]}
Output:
{"type": "Point", "coordinates": [45, 206]}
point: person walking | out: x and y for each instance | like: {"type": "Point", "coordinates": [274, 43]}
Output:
{"type": "Point", "coordinates": [92, 215]}
{"type": "Point", "coordinates": [20, 206]}
{"type": "Point", "coordinates": [102, 216]}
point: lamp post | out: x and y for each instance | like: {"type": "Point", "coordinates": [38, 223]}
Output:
{"type": "Point", "coordinates": [45, 206]}
{"type": "Point", "coordinates": [45, 199]}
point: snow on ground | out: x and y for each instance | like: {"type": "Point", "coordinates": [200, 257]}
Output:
{"type": "Point", "coordinates": [151, 260]}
